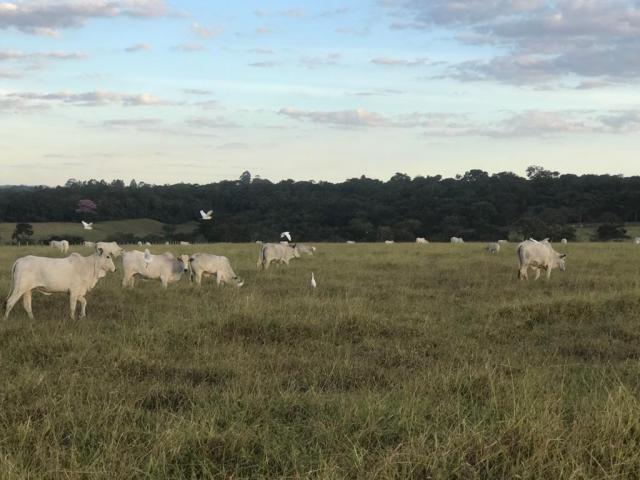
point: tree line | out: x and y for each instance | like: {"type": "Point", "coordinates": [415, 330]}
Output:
{"type": "Point", "coordinates": [475, 206]}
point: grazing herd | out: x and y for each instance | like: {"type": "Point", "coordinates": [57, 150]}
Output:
{"type": "Point", "coordinates": [77, 274]}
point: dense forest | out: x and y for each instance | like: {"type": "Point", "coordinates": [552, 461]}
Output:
{"type": "Point", "coordinates": [475, 206]}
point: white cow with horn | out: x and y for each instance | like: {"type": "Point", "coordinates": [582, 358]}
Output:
{"type": "Point", "coordinates": [539, 256]}
{"type": "Point", "coordinates": [165, 267]}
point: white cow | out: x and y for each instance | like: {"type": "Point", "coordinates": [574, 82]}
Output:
{"type": "Point", "coordinates": [539, 256]}
{"type": "Point", "coordinates": [421, 240]}
{"type": "Point", "coordinates": [350, 242]}
{"type": "Point", "coordinates": [493, 248]}
{"type": "Point", "coordinates": [164, 267]}
{"type": "Point", "coordinates": [277, 252]}
{"type": "Point", "coordinates": [636, 240]}
{"type": "Point", "coordinates": [74, 274]}
{"type": "Point", "coordinates": [503, 241]}
{"type": "Point", "coordinates": [111, 248]}
{"type": "Point", "coordinates": [308, 249]}
{"type": "Point", "coordinates": [457, 240]}
{"type": "Point", "coordinates": [89, 244]}
{"type": "Point", "coordinates": [61, 245]}
{"type": "Point", "coordinates": [204, 264]}
{"type": "Point", "coordinates": [389, 242]}
{"type": "Point", "coordinates": [184, 243]}
{"type": "Point", "coordinates": [564, 241]}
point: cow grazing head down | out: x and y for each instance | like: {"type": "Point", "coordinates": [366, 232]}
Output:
{"type": "Point", "coordinates": [560, 261]}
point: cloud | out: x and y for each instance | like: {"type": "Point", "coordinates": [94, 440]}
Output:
{"type": "Point", "coordinates": [262, 51]}
{"type": "Point", "coordinates": [625, 121]}
{"type": "Point", "coordinates": [48, 17]}
{"type": "Point", "coordinates": [19, 55]}
{"type": "Point", "coordinates": [85, 99]}
{"type": "Point", "coordinates": [266, 64]}
{"type": "Point", "coordinates": [189, 47]}
{"type": "Point", "coordinates": [397, 62]}
{"type": "Point", "coordinates": [263, 29]}
{"type": "Point", "coordinates": [539, 40]}
{"type": "Point", "coordinates": [210, 123]}
{"type": "Point", "coordinates": [322, 61]}
{"type": "Point", "coordinates": [138, 47]}
{"type": "Point", "coordinates": [233, 146]}
{"type": "Point", "coordinates": [197, 91]}
{"type": "Point", "coordinates": [135, 122]}
{"type": "Point", "coordinates": [354, 118]}
{"type": "Point", "coordinates": [204, 31]}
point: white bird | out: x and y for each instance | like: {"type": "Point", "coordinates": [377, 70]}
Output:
{"type": "Point", "coordinates": [286, 234]}
{"type": "Point", "coordinates": [148, 258]}
{"type": "Point", "coordinates": [206, 215]}
{"type": "Point", "coordinates": [313, 280]}
{"type": "Point", "coordinates": [87, 226]}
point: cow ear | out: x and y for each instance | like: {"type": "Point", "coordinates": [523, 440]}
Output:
{"type": "Point", "coordinates": [100, 251]}
{"type": "Point", "coordinates": [563, 255]}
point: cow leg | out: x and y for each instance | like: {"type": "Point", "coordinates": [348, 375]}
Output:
{"type": "Point", "coordinates": [266, 265]}
{"type": "Point", "coordinates": [73, 301]}
{"type": "Point", "coordinates": [219, 278]}
{"type": "Point", "coordinates": [11, 301]}
{"type": "Point", "coordinates": [537, 273]}
{"type": "Point", "coordinates": [548, 273]}
{"type": "Point", "coordinates": [83, 306]}
{"type": "Point", "coordinates": [523, 273]}
{"type": "Point", "coordinates": [165, 282]}
{"type": "Point", "coordinates": [199, 278]}
{"type": "Point", "coordinates": [26, 303]}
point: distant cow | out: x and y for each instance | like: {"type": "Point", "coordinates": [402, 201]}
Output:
{"type": "Point", "coordinates": [89, 244]}
{"type": "Point", "coordinates": [350, 242]}
{"type": "Point", "coordinates": [421, 240]}
{"type": "Point", "coordinates": [308, 249]}
{"type": "Point", "coordinates": [184, 243]}
{"type": "Point", "coordinates": [493, 248]}
{"type": "Point", "coordinates": [564, 241]}
{"type": "Point", "coordinates": [636, 240]}
{"type": "Point", "coordinates": [111, 248]}
{"type": "Point", "coordinates": [389, 242]}
{"type": "Point", "coordinates": [164, 267]}
{"type": "Point", "coordinates": [503, 241]}
{"type": "Point", "coordinates": [74, 274]}
{"type": "Point", "coordinates": [277, 252]}
{"type": "Point", "coordinates": [457, 240]}
{"type": "Point", "coordinates": [61, 245]}
{"type": "Point", "coordinates": [204, 264]}
{"type": "Point", "coordinates": [539, 256]}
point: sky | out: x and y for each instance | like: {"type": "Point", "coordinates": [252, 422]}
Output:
{"type": "Point", "coordinates": [199, 91]}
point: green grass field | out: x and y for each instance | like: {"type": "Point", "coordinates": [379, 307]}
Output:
{"type": "Point", "coordinates": [407, 361]}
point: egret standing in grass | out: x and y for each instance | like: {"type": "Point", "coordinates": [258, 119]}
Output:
{"type": "Point", "coordinates": [313, 281]}
{"type": "Point", "coordinates": [286, 235]}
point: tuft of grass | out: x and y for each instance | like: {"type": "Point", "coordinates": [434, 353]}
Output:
{"type": "Point", "coordinates": [407, 361]}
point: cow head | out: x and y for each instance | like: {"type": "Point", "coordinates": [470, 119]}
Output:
{"type": "Point", "coordinates": [296, 252]}
{"type": "Point", "coordinates": [105, 262]}
{"type": "Point", "coordinates": [560, 261]}
{"type": "Point", "coordinates": [184, 260]}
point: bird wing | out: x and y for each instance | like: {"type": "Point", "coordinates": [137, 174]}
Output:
{"type": "Point", "coordinates": [202, 214]}
{"type": "Point", "coordinates": [209, 213]}
{"type": "Point", "coordinates": [84, 224]}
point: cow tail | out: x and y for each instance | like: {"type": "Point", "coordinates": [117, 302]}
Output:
{"type": "Point", "coordinates": [13, 283]}
{"type": "Point", "coordinates": [190, 269]}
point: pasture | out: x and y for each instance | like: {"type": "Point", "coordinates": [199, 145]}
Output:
{"type": "Point", "coordinates": [407, 361]}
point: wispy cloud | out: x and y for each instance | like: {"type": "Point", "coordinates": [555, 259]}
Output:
{"type": "Point", "coordinates": [400, 62]}
{"type": "Point", "coordinates": [203, 31]}
{"type": "Point", "coordinates": [265, 64]}
{"type": "Point", "coordinates": [47, 18]}
{"type": "Point", "coordinates": [189, 47]}
{"type": "Point", "coordinates": [138, 47]}
{"type": "Point", "coordinates": [208, 122]}
{"type": "Point", "coordinates": [321, 61]}
{"type": "Point", "coordinates": [85, 99]}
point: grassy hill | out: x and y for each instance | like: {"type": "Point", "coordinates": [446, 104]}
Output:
{"type": "Point", "coordinates": [139, 227]}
